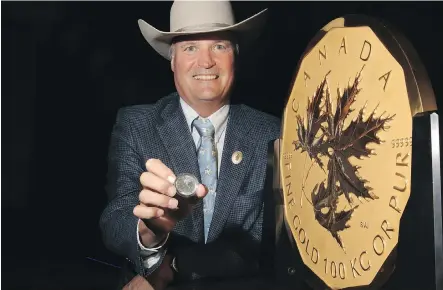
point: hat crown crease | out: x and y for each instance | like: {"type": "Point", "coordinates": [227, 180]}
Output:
{"type": "Point", "coordinates": [193, 14]}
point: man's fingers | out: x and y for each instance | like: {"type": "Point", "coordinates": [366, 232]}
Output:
{"type": "Point", "coordinates": [144, 212]}
{"type": "Point", "coordinates": [201, 191]}
{"type": "Point", "coordinates": [151, 198]}
{"type": "Point", "coordinates": [156, 183]}
{"type": "Point", "coordinates": [157, 167]}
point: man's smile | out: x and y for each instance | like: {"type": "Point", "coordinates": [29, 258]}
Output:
{"type": "Point", "coordinates": [205, 77]}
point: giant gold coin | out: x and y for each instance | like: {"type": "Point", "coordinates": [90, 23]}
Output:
{"type": "Point", "coordinates": [346, 145]}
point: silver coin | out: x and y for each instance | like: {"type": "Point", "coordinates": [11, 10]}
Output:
{"type": "Point", "coordinates": [186, 184]}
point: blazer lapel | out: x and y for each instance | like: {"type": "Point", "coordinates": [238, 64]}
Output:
{"type": "Point", "coordinates": [177, 139]}
{"type": "Point", "coordinates": [231, 175]}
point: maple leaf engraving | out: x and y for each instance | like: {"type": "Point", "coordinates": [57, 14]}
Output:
{"type": "Point", "coordinates": [307, 140]}
{"type": "Point", "coordinates": [338, 142]}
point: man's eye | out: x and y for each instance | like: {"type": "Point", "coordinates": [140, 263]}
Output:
{"type": "Point", "coordinates": [220, 46]}
{"type": "Point", "coordinates": [190, 48]}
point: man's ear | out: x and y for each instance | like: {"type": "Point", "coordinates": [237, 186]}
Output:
{"type": "Point", "coordinates": [172, 54]}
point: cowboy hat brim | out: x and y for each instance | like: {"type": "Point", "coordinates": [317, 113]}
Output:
{"type": "Point", "coordinates": [247, 31]}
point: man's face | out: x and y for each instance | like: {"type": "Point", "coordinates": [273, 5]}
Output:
{"type": "Point", "coordinates": [203, 68]}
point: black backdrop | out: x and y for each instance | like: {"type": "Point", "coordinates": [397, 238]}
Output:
{"type": "Point", "coordinates": [68, 66]}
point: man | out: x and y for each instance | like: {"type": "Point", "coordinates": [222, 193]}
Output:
{"type": "Point", "coordinates": [196, 130]}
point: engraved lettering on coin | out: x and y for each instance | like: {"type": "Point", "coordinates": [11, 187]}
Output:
{"type": "Point", "coordinates": [186, 184]}
{"type": "Point", "coordinates": [306, 78]}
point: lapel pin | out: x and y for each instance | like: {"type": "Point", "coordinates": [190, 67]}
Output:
{"type": "Point", "coordinates": [237, 157]}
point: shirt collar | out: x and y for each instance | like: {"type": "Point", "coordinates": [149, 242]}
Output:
{"type": "Point", "coordinates": [218, 119]}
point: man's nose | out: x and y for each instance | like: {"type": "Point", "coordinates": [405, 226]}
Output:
{"type": "Point", "coordinates": [206, 59]}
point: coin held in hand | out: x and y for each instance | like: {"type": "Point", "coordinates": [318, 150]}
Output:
{"type": "Point", "coordinates": [186, 184]}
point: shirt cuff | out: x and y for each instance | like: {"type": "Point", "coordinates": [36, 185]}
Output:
{"type": "Point", "coordinates": [151, 260]}
{"type": "Point", "coordinates": [150, 251]}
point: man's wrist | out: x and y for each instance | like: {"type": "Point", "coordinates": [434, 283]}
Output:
{"type": "Point", "coordinates": [148, 238]}
{"type": "Point", "coordinates": [156, 242]}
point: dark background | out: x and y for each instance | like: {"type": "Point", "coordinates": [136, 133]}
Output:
{"type": "Point", "coordinates": [67, 67]}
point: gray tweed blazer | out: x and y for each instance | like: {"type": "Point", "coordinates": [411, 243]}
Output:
{"type": "Point", "coordinates": [160, 131]}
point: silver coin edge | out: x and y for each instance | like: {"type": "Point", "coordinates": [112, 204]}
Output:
{"type": "Point", "coordinates": [183, 175]}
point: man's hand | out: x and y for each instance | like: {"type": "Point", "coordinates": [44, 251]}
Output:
{"type": "Point", "coordinates": [138, 283]}
{"type": "Point", "coordinates": [158, 208]}
{"type": "Point", "coordinates": [158, 280]}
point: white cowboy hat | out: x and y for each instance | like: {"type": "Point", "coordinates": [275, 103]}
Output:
{"type": "Point", "coordinates": [194, 17]}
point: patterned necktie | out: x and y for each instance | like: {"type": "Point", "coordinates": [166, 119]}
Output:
{"type": "Point", "coordinates": [207, 161]}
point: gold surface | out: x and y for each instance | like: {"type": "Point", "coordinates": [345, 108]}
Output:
{"type": "Point", "coordinates": [345, 162]}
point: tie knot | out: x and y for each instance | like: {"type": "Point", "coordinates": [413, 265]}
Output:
{"type": "Point", "coordinates": [204, 127]}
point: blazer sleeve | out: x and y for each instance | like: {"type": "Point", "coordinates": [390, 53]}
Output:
{"type": "Point", "coordinates": [118, 223]}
